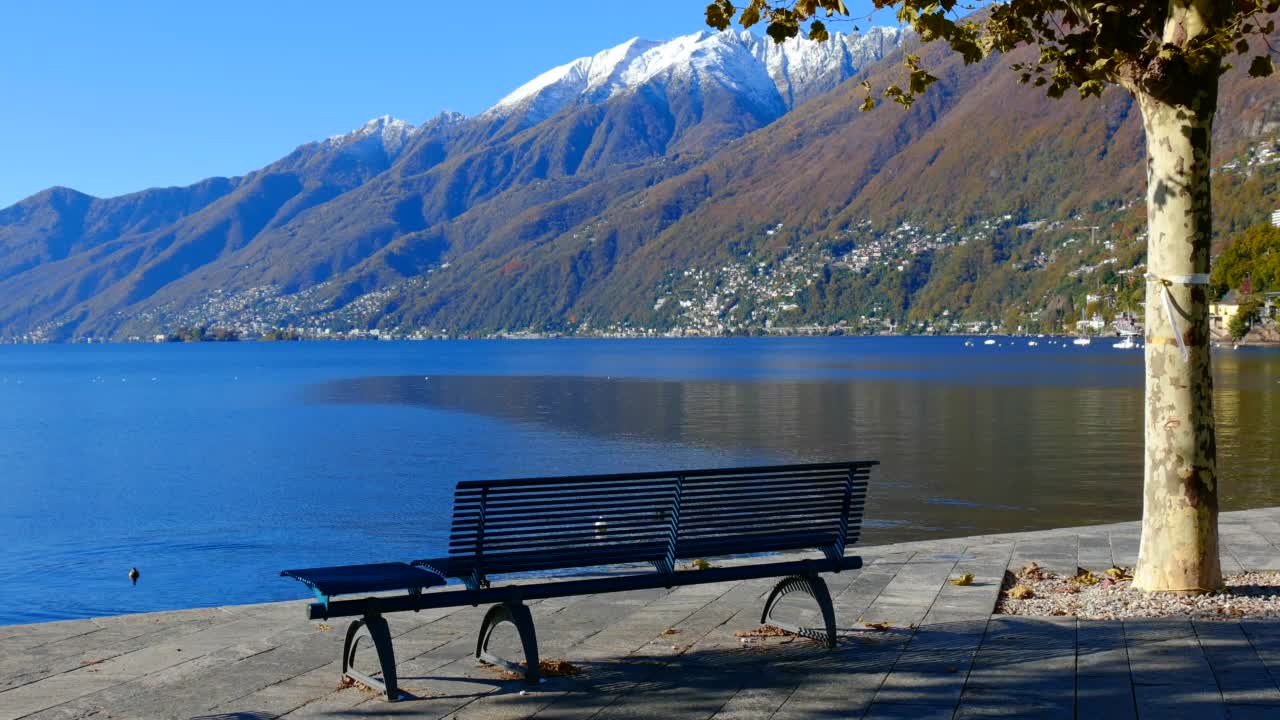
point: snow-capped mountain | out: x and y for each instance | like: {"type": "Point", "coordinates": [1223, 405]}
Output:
{"type": "Point", "coordinates": [789, 73]}
{"type": "Point", "coordinates": [803, 69]}
{"type": "Point", "coordinates": [386, 200]}
{"type": "Point", "coordinates": [542, 96]}
{"type": "Point", "coordinates": [387, 132]}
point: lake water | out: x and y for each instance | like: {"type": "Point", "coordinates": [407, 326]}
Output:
{"type": "Point", "coordinates": [213, 467]}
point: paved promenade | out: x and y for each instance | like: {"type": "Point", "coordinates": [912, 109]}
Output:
{"type": "Point", "coordinates": [674, 654]}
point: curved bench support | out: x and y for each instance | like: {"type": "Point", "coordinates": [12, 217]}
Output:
{"type": "Point", "coordinates": [816, 588]}
{"type": "Point", "coordinates": [373, 627]}
{"type": "Point", "coordinates": [517, 614]}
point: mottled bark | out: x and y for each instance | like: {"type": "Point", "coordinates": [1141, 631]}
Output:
{"type": "Point", "coordinates": [1179, 551]}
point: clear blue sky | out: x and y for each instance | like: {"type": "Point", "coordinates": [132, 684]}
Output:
{"type": "Point", "coordinates": [113, 97]}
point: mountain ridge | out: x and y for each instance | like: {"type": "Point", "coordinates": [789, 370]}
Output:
{"type": "Point", "coordinates": [576, 221]}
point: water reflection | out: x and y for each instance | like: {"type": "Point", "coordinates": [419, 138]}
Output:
{"type": "Point", "coordinates": [957, 459]}
{"type": "Point", "coordinates": [1247, 408]}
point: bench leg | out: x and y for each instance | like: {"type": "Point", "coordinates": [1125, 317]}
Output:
{"type": "Point", "coordinates": [517, 614]}
{"type": "Point", "coordinates": [816, 588]}
{"type": "Point", "coordinates": [374, 628]}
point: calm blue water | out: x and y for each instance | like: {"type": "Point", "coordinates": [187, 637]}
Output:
{"type": "Point", "coordinates": [212, 467]}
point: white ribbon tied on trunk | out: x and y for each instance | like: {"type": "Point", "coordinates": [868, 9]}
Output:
{"type": "Point", "coordinates": [1165, 284]}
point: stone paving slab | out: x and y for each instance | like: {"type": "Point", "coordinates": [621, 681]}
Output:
{"type": "Point", "coordinates": [911, 645]}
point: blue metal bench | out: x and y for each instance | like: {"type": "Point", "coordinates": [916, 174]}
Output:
{"type": "Point", "coordinates": [656, 519]}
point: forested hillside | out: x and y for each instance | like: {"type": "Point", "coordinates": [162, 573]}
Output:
{"type": "Point", "coordinates": [727, 193]}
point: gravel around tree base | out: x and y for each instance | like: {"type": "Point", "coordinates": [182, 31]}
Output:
{"type": "Point", "coordinates": [1111, 596]}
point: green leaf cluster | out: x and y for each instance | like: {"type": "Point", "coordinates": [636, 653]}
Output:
{"type": "Point", "coordinates": [1242, 321]}
{"type": "Point", "coordinates": [1255, 254]}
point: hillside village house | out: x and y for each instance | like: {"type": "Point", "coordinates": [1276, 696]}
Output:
{"type": "Point", "coordinates": [1222, 311]}
{"type": "Point", "coordinates": [1095, 324]}
{"type": "Point", "coordinates": [1271, 306]}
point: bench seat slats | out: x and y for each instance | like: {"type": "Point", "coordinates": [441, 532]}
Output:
{"type": "Point", "coordinates": [746, 542]}
{"type": "Point", "coordinates": [643, 551]}
{"type": "Point", "coordinates": [587, 532]}
{"type": "Point", "coordinates": [767, 501]}
{"type": "Point", "coordinates": [568, 505]}
{"type": "Point", "coordinates": [746, 496]}
{"type": "Point", "coordinates": [576, 540]}
{"type": "Point", "coordinates": [824, 534]}
{"type": "Point", "coordinates": [377, 577]}
{"type": "Point", "coordinates": [580, 539]}
{"type": "Point", "coordinates": [560, 563]}
{"type": "Point", "coordinates": [613, 553]}
{"type": "Point", "coordinates": [571, 507]}
{"type": "Point", "coordinates": [497, 509]}
{"type": "Point", "coordinates": [526, 562]}
{"type": "Point", "coordinates": [587, 523]}
{"type": "Point", "coordinates": [586, 520]}
{"type": "Point", "coordinates": [493, 518]}
{"type": "Point", "coordinates": [719, 484]}
{"type": "Point", "coordinates": [741, 514]}
{"type": "Point", "coordinates": [650, 516]}
{"type": "Point", "coordinates": [475, 484]}
{"type": "Point", "coordinates": [737, 544]}
{"type": "Point", "coordinates": [771, 509]}
{"type": "Point", "coordinates": [694, 500]}
{"type": "Point", "coordinates": [797, 484]}
{"type": "Point", "coordinates": [651, 519]}
{"type": "Point", "coordinates": [745, 531]}
{"type": "Point", "coordinates": [497, 500]}
{"type": "Point", "coordinates": [582, 586]}
{"type": "Point", "coordinates": [603, 488]}
{"type": "Point", "coordinates": [766, 478]}
{"type": "Point", "coordinates": [706, 550]}
{"type": "Point", "coordinates": [730, 478]}
{"type": "Point", "coordinates": [787, 480]}
{"type": "Point", "coordinates": [554, 491]}
{"type": "Point", "coordinates": [497, 494]}
{"type": "Point", "coordinates": [608, 523]}
{"type": "Point", "coordinates": [760, 521]}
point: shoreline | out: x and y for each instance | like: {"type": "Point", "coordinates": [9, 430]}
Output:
{"type": "Point", "coordinates": [911, 645]}
{"type": "Point", "coordinates": [1217, 343]}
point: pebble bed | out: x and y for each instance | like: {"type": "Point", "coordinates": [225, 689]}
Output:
{"type": "Point", "coordinates": [1103, 597]}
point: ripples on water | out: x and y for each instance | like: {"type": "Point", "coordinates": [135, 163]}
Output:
{"type": "Point", "coordinates": [213, 467]}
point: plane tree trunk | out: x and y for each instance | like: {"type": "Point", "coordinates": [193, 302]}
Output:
{"type": "Point", "coordinates": [1179, 548]}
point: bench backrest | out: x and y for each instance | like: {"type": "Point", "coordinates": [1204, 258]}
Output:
{"type": "Point", "coordinates": [507, 526]}
{"type": "Point", "coordinates": [771, 510]}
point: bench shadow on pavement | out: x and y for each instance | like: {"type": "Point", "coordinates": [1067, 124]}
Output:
{"type": "Point", "coordinates": [1012, 666]}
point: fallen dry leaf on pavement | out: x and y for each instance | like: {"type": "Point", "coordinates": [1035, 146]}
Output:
{"type": "Point", "coordinates": [1020, 592]}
